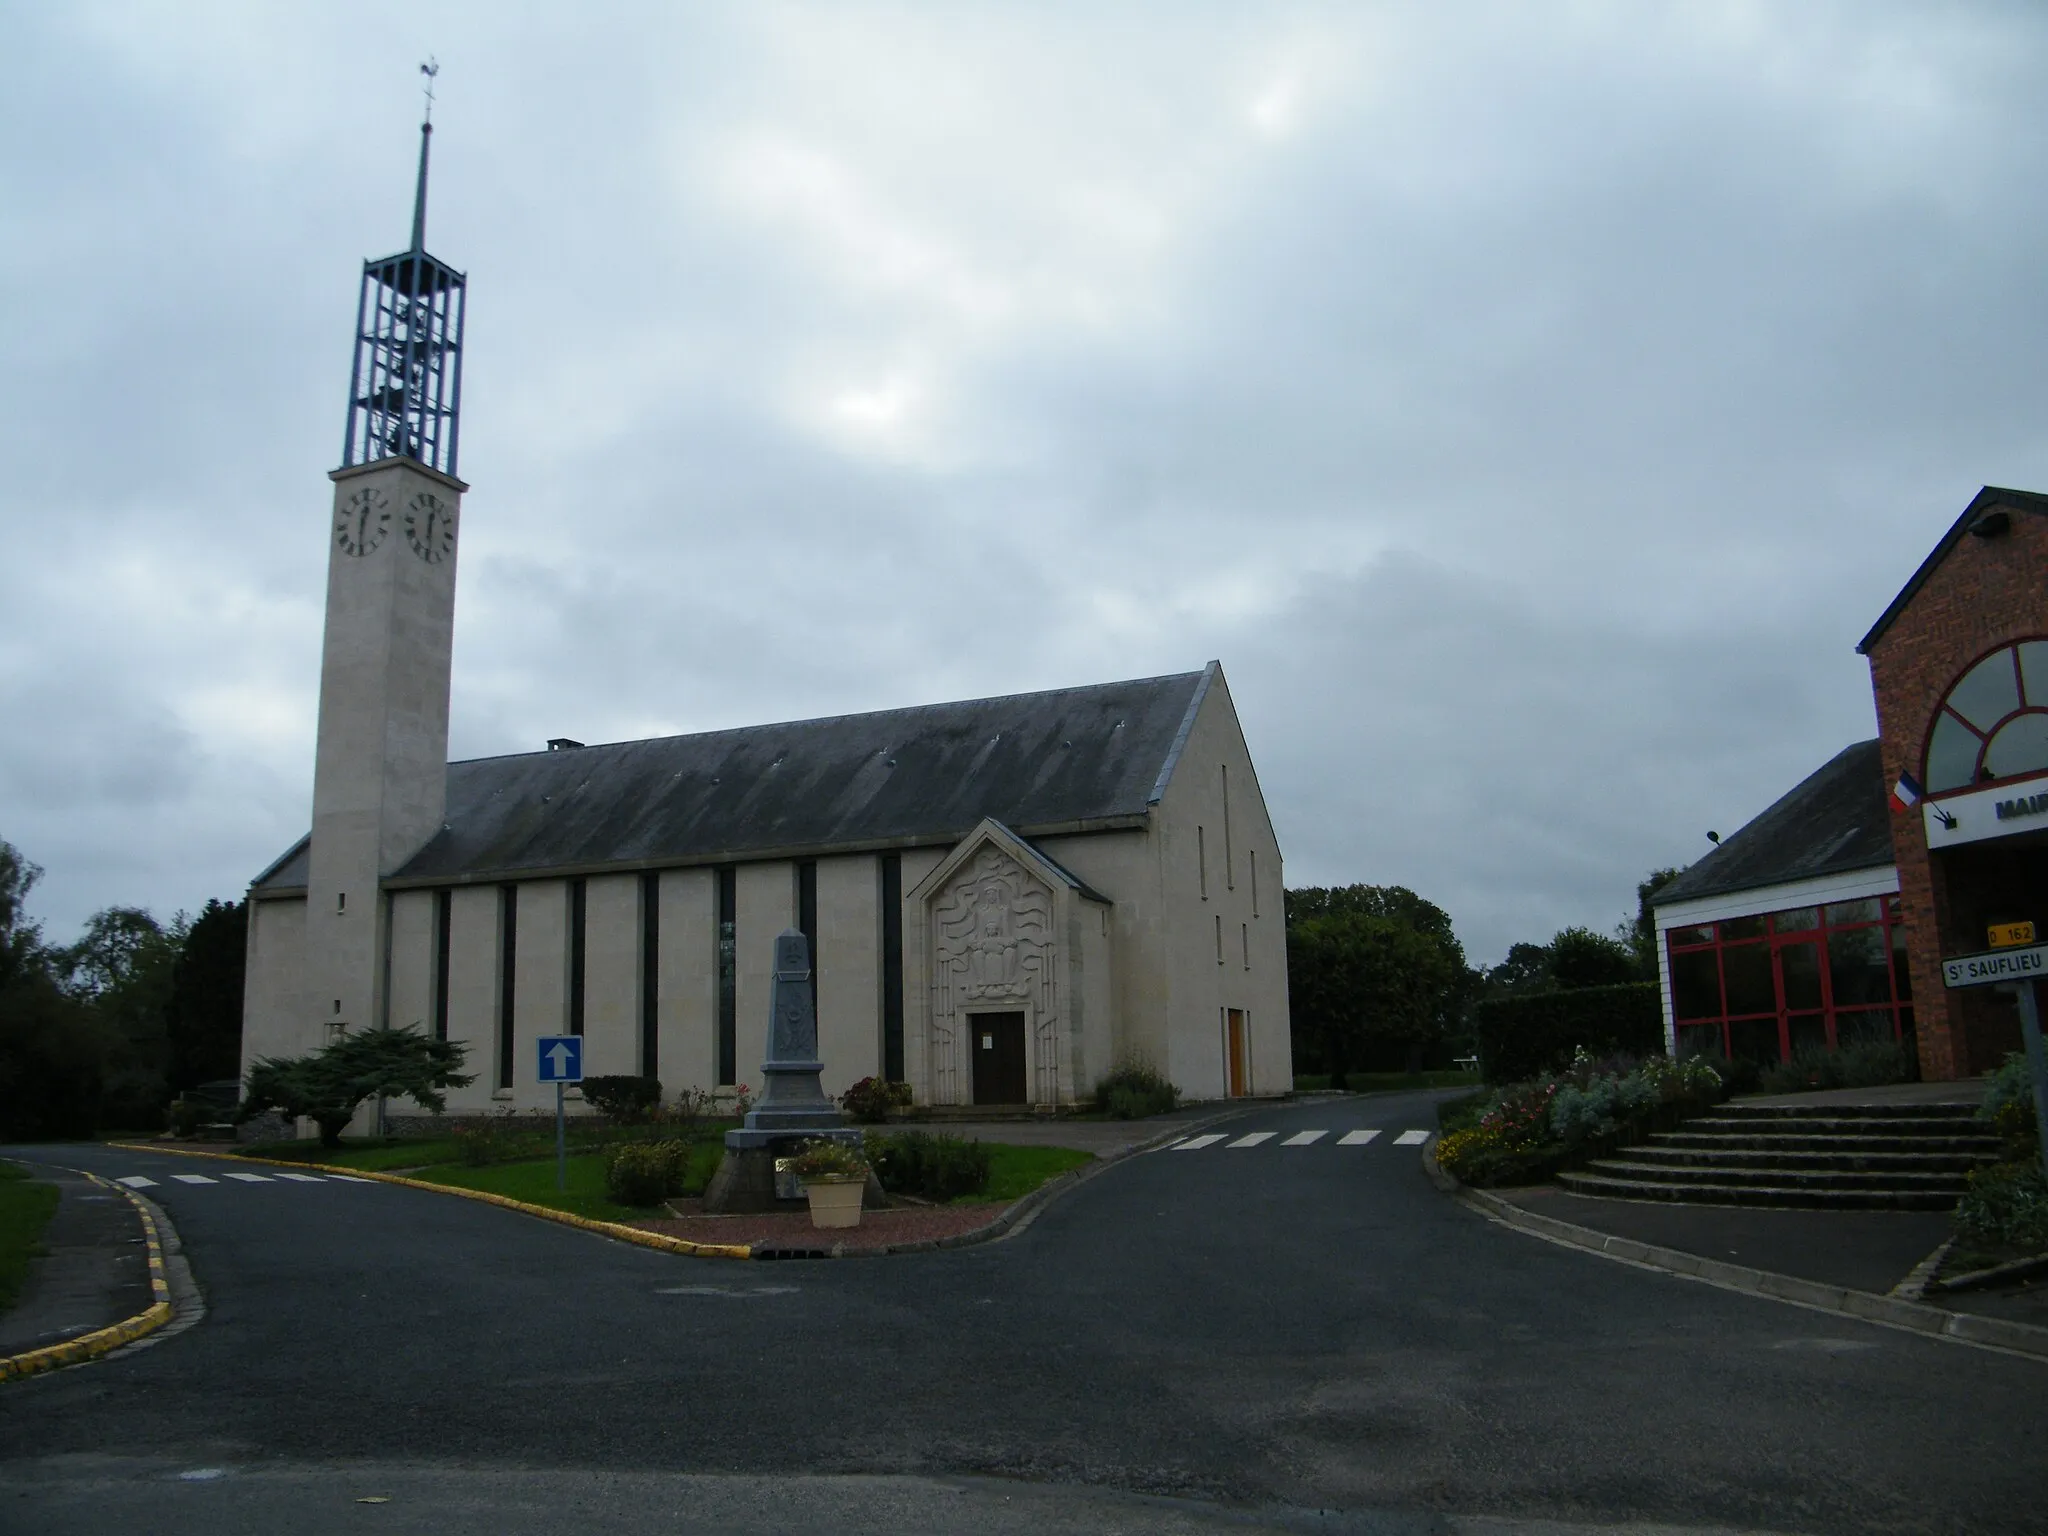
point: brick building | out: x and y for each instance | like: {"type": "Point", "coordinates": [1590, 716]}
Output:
{"type": "Point", "coordinates": [1825, 920]}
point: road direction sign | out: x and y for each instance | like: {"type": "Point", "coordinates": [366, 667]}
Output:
{"type": "Point", "coordinates": [1996, 965]}
{"type": "Point", "coordinates": [561, 1058]}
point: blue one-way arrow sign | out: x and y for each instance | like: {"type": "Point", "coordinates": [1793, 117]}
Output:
{"type": "Point", "coordinates": [561, 1058]}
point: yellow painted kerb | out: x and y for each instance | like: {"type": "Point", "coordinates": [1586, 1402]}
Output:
{"type": "Point", "coordinates": [612, 1229]}
{"type": "Point", "coordinates": [91, 1346]}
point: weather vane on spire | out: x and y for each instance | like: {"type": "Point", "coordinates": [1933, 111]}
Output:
{"type": "Point", "coordinates": [430, 69]}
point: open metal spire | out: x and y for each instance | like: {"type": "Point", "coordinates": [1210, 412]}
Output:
{"type": "Point", "coordinates": [405, 388]}
{"type": "Point", "coordinates": [419, 197]}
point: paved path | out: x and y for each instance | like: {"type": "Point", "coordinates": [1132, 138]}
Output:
{"type": "Point", "coordinates": [1296, 1324]}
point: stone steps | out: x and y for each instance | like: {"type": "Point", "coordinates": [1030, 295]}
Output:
{"type": "Point", "coordinates": [1755, 1194]}
{"type": "Point", "coordinates": [1968, 1146]}
{"type": "Point", "coordinates": [1808, 1160]}
{"type": "Point", "coordinates": [1844, 1156]}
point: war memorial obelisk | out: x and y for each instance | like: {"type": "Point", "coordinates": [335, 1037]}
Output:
{"type": "Point", "coordinates": [793, 1107]}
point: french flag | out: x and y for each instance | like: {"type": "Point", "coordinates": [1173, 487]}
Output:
{"type": "Point", "coordinates": [1906, 793]}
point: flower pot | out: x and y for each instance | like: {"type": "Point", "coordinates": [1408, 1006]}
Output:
{"type": "Point", "coordinates": [835, 1199]}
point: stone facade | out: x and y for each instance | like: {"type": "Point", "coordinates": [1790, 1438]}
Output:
{"type": "Point", "coordinates": [1131, 940]}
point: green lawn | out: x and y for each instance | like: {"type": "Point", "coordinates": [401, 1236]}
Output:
{"type": "Point", "coordinates": [377, 1156]}
{"type": "Point", "coordinates": [25, 1209]}
{"type": "Point", "coordinates": [535, 1184]}
{"type": "Point", "coordinates": [1013, 1173]}
{"type": "Point", "coordinates": [1016, 1171]}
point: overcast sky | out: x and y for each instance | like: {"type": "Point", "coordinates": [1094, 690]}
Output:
{"type": "Point", "coordinates": [1531, 406]}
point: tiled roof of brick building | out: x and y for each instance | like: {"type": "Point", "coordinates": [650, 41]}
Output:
{"type": "Point", "coordinates": [1838, 818]}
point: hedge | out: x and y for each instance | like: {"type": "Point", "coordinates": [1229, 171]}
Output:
{"type": "Point", "coordinates": [1527, 1036]}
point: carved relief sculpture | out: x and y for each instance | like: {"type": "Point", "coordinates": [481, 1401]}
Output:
{"type": "Point", "coordinates": [992, 942]}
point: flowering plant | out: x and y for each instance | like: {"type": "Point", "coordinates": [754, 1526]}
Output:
{"type": "Point", "coordinates": [821, 1159]}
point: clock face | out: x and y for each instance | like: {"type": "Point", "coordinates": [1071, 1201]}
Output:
{"type": "Point", "coordinates": [362, 522]}
{"type": "Point", "coordinates": [430, 527]}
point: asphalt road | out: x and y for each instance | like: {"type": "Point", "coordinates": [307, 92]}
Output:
{"type": "Point", "coordinates": [1270, 1332]}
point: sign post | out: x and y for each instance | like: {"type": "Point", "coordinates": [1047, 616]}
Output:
{"type": "Point", "coordinates": [561, 1063]}
{"type": "Point", "coordinates": [2019, 969]}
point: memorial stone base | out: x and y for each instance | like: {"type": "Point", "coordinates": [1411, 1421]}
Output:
{"type": "Point", "coordinates": [745, 1181]}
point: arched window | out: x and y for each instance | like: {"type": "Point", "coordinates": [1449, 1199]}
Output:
{"type": "Point", "coordinates": [1994, 722]}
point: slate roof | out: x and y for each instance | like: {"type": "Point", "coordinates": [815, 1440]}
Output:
{"type": "Point", "coordinates": [1984, 501]}
{"type": "Point", "coordinates": [1837, 818]}
{"type": "Point", "coordinates": [1072, 759]}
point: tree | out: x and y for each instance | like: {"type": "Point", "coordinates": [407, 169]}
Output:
{"type": "Point", "coordinates": [1526, 969]}
{"type": "Point", "coordinates": [1390, 901]}
{"type": "Point", "coordinates": [1579, 957]}
{"type": "Point", "coordinates": [120, 970]}
{"type": "Point", "coordinates": [1361, 982]}
{"type": "Point", "coordinates": [380, 1063]}
{"type": "Point", "coordinates": [51, 1067]}
{"type": "Point", "coordinates": [203, 1014]}
{"type": "Point", "coordinates": [21, 941]}
{"type": "Point", "coordinates": [1641, 935]}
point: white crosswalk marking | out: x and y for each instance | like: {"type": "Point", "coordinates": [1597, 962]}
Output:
{"type": "Point", "coordinates": [1411, 1138]}
{"type": "Point", "coordinates": [348, 1178]}
{"type": "Point", "coordinates": [137, 1181]}
{"type": "Point", "coordinates": [1304, 1138]}
{"type": "Point", "coordinates": [1253, 1139]}
{"type": "Point", "coordinates": [302, 1178]}
{"type": "Point", "coordinates": [251, 1178]}
{"type": "Point", "coordinates": [1196, 1143]}
{"type": "Point", "coordinates": [1356, 1138]}
{"type": "Point", "coordinates": [193, 1178]}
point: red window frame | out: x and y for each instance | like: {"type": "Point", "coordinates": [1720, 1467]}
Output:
{"type": "Point", "coordinates": [1899, 1008]}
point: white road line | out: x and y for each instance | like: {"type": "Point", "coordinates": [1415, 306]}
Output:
{"type": "Point", "coordinates": [193, 1178]}
{"type": "Point", "coordinates": [251, 1178]}
{"type": "Point", "coordinates": [1253, 1139]}
{"type": "Point", "coordinates": [1411, 1138]}
{"type": "Point", "coordinates": [349, 1178]}
{"type": "Point", "coordinates": [1304, 1138]}
{"type": "Point", "coordinates": [137, 1181]}
{"type": "Point", "coordinates": [303, 1178]}
{"type": "Point", "coordinates": [1356, 1138]}
{"type": "Point", "coordinates": [1169, 1146]}
{"type": "Point", "coordinates": [1196, 1143]}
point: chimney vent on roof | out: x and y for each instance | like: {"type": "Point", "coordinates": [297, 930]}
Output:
{"type": "Point", "coordinates": [562, 744]}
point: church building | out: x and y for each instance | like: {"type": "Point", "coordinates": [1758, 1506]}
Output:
{"type": "Point", "coordinates": [1004, 897]}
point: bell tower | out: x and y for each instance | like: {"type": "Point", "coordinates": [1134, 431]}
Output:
{"type": "Point", "coordinates": [381, 764]}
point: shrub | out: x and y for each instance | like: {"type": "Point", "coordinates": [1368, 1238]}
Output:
{"type": "Point", "coordinates": [1527, 1035]}
{"type": "Point", "coordinates": [1133, 1090]}
{"type": "Point", "coordinates": [2006, 1207]}
{"type": "Point", "coordinates": [500, 1139]}
{"type": "Point", "coordinates": [932, 1167]}
{"type": "Point", "coordinates": [1863, 1065]}
{"type": "Point", "coordinates": [188, 1115]}
{"type": "Point", "coordinates": [873, 1099]}
{"type": "Point", "coordinates": [1529, 1131]}
{"type": "Point", "coordinates": [646, 1172]}
{"type": "Point", "coordinates": [623, 1100]}
{"type": "Point", "coordinates": [2012, 1083]}
{"type": "Point", "coordinates": [1463, 1112]}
